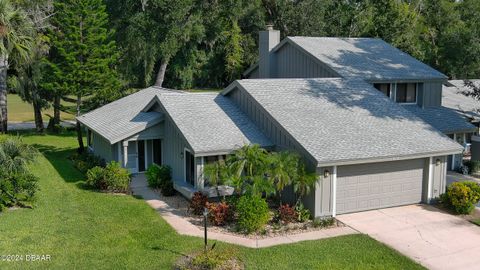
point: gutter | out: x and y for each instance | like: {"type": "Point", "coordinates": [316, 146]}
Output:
{"type": "Point", "coordinates": [386, 159]}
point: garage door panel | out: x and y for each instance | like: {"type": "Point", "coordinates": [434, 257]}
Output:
{"type": "Point", "coordinates": [379, 185]}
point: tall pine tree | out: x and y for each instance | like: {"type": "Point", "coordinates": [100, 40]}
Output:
{"type": "Point", "coordinates": [83, 55]}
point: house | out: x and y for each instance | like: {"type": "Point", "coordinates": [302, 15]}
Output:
{"type": "Point", "coordinates": [402, 78]}
{"type": "Point", "coordinates": [368, 148]}
{"type": "Point", "coordinates": [454, 97]}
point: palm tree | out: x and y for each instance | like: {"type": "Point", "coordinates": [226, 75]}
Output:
{"type": "Point", "coordinates": [216, 174]}
{"type": "Point", "coordinates": [283, 169]}
{"type": "Point", "coordinates": [15, 45]}
{"type": "Point", "coordinates": [248, 161]}
{"type": "Point", "coordinates": [304, 182]}
{"type": "Point", "coordinates": [15, 155]}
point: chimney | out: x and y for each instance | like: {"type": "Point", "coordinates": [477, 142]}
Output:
{"type": "Point", "coordinates": [267, 40]}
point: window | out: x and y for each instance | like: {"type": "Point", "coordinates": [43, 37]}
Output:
{"type": "Point", "coordinates": [189, 168]}
{"type": "Point", "coordinates": [383, 87]}
{"type": "Point", "coordinates": [406, 93]}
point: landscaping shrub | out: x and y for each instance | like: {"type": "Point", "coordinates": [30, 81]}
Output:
{"type": "Point", "coordinates": [112, 178]}
{"type": "Point", "coordinates": [160, 177]}
{"type": "Point", "coordinates": [167, 188]}
{"type": "Point", "coordinates": [219, 213]}
{"type": "Point", "coordinates": [473, 166]}
{"type": "Point", "coordinates": [323, 222]}
{"type": "Point", "coordinates": [152, 176]}
{"type": "Point", "coordinates": [217, 259]}
{"type": "Point", "coordinates": [86, 160]}
{"type": "Point", "coordinates": [17, 190]}
{"type": "Point", "coordinates": [286, 213]}
{"type": "Point", "coordinates": [462, 196]}
{"type": "Point", "coordinates": [17, 185]}
{"type": "Point", "coordinates": [303, 214]}
{"type": "Point", "coordinates": [95, 176]}
{"type": "Point", "coordinates": [252, 212]}
{"type": "Point", "coordinates": [198, 203]}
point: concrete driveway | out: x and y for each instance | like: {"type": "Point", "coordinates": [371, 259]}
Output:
{"type": "Point", "coordinates": [431, 237]}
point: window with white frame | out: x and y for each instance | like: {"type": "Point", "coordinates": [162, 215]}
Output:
{"type": "Point", "coordinates": [406, 93]}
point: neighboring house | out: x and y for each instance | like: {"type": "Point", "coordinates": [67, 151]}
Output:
{"type": "Point", "coordinates": [399, 76]}
{"type": "Point", "coordinates": [369, 150]}
{"type": "Point", "coordinates": [453, 97]}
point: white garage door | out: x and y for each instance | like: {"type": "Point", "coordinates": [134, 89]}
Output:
{"type": "Point", "coordinates": [379, 185]}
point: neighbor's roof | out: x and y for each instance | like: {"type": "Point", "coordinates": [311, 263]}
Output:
{"type": "Point", "coordinates": [342, 121]}
{"type": "Point", "coordinates": [124, 117]}
{"type": "Point", "coordinates": [211, 122]}
{"type": "Point", "coordinates": [366, 58]}
{"type": "Point", "coordinates": [453, 98]}
{"type": "Point", "coordinates": [444, 119]}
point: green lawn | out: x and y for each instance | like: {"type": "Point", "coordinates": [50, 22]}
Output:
{"type": "Point", "coordinates": [476, 221]}
{"type": "Point", "coordinates": [20, 111]}
{"type": "Point", "coordinates": [83, 229]}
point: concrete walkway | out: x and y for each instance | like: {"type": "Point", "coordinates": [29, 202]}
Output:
{"type": "Point", "coordinates": [183, 226]}
{"type": "Point", "coordinates": [433, 238]}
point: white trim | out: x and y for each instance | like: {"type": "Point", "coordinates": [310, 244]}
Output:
{"type": "Point", "coordinates": [430, 179]}
{"type": "Point", "coordinates": [202, 164]}
{"type": "Point", "coordinates": [453, 156]}
{"type": "Point", "coordinates": [334, 191]}
{"type": "Point", "coordinates": [393, 91]}
{"type": "Point", "coordinates": [444, 187]}
{"type": "Point", "coordinates": [125, 153]}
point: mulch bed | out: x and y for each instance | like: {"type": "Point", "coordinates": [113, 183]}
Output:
{"type": "Point", "coordinates": [181, 206]}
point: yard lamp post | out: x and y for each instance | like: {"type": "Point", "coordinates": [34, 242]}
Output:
{"type": "Point", "coordinates": [205, 215]}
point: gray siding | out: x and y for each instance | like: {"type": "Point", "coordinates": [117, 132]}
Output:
{"type": "Point", "coordinates": [103, 148]}
{"type": "Point", "coordinates": [154, 132]}
{"type": "Point", "coordinates": [271, 128]}
{"type": "Point", "coordinates": [290, 62]}
{"type": "Point", "coordinates": [319, 200]}
{"type": "Point", "coordinates": [430, 94]}
{"type": "Point", "coordinates": [172, 151]}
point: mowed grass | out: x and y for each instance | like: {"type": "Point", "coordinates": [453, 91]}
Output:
{"type": "Point", "coordinates": [84, 229]}
{"type": "Point", "coordinates": [20, 111]}
{"type": "Point", "coordinates": [476, 221]}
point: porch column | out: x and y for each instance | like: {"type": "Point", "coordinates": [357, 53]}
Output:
{"type": "Point", "coordinates": [125, 153]}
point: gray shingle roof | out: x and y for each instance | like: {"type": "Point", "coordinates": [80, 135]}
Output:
{"type": "Point", "coordinates": [342, 121]}
{"type": "Point", "coordinates": [453, 98]}
{"type": "Point", "coordinates": [124, 117]}
{"type": "Point", "coordinates": [211, 122]}
{"type": "Point", "coordinates": [444, 119]}
{"type": "Point", "coordinates": [367, 58]}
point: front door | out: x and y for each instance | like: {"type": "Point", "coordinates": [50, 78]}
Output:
{"type": "Point", "coordinates": [141, 156]}
{"type": "Point", "coordinates": [189, 168]}
{"type": "Point", "coordinates": [157, 151]}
